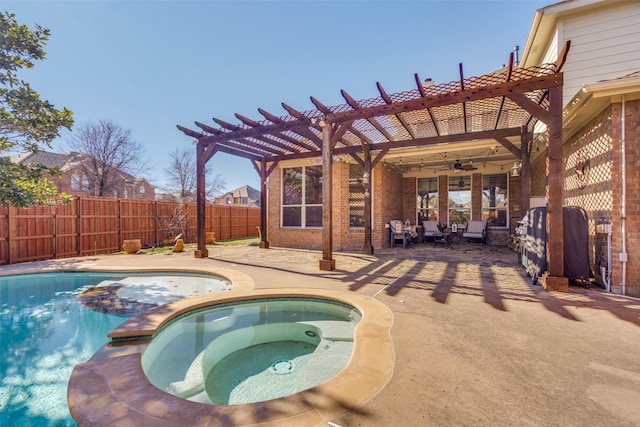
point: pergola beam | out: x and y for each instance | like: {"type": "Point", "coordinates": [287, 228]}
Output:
{"type": "Point", "coordinates": [526, 104]}
{"type": "Point", "coordinates": [234, 128]}
{"type": "Point", "coordinates": [356, 106]}
{"type": "Point", "coordinates": [509, 146]}
{"type": "Point", "coordinates": [423, 93]}
{"type": "Point", "coordinates": [306, 132]}
{"type": "Point", "coordinates": [325, 110]}
{"type": "Point", "coordinates": [449, 98]}
{"type": "Point", "coordinates": [434, 140]}
{"type": "Point", "coordinates": [508, 78]}
{"type": "Point", "coordinates": [401, 119]}
{"type": "Point", "coordinates": [241, 144]}
{"type": "Point", "coordinates": [277, 120]}
{"type": "Point", "coordinates": [464, 104]}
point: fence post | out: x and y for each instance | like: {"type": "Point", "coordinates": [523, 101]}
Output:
{"type": "Point", "coordinates": [78, 226]}
{"type": "Point", "coordinates": [55, 232]}
{"type": "Point", "coordinates": [9, 229]}
{"type": "Point", "coordinates": [154, 213]}
{"type": "Point", "coordinates": [119, 216]}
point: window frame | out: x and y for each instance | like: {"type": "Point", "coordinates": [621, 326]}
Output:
{"type": "Point", "coordinates": [420, 201]}
{"type": "Point", "coordinates": [305, 193]}
{"type": "Point", "coordinates": [454, 205]}
{"type": "Point", "coordinates": [353, 206]}
{"type": "Point", "coordinates": [486, 210]}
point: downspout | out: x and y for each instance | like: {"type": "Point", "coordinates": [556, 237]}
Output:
{"type": "Point", "coordinates": [623, 211]}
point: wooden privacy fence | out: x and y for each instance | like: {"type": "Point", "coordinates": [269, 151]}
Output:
{"type": "Point", "coordinates": [96, 225]}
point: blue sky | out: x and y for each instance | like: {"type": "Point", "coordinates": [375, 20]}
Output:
{"type": "Point", "coordinates": [149, 65]}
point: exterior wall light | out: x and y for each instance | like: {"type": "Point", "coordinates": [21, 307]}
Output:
{"type": "Point", "coordinates": [515, 169]}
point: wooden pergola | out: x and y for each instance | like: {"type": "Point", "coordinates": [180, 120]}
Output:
{"type": "Point", "coordinates": [503, 106]}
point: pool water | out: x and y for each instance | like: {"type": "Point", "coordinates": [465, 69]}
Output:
{"type": "Point", "coordinates": [252, 351]}
{"type": "Point", "coordinates": [238, 377]}
{"type": "Point", "coordinates": [44, 333]}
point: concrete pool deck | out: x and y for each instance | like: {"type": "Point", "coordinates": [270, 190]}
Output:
{"type": "Point", "coordinates": [474, 342]}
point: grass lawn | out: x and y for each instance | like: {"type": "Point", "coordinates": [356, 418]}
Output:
{"type": "Point", "coordinates": [248, 241]}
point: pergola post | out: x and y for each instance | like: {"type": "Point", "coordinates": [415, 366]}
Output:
{"type": "Point", "coordinates": [366, 183]}
{"type": "Point", "coordinates": [553, 279]}
{"type": "Point", "coordinates": [327, 263]}
{"type": "Point", "coordinates": [264, 234]}
{"type": "Point", "coordinates": [201, 200]}
{"type": "Point", "coordinates": [525, 170]}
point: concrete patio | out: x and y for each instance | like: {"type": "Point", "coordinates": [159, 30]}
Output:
{"type": "Point", "coordinates": [475, 343]}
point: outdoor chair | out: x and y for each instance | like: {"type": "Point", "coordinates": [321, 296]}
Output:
{"type": "Point", "coordinates": [398, 233]}
{"type": "Point", "coordinates": [476, 230]}
{"type": "Point", "coordinates": [431, 230]}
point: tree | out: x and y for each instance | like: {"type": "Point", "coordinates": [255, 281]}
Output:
{"type": "Point", "coordinates": [182, 176]}
{"type": "Point", "coordinates": [111, 155]}
{"type": "Point", "coordinates": [26, 121]}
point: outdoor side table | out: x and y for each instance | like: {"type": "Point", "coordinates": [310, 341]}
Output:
{"type": "Point", "coordinates": [444, 237]}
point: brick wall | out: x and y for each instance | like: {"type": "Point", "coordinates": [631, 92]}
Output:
{"type": "Point", "coordinates": [443, 198]}
{"type": "Point", "coordinates": [632, 230]}
{"type": "Point", "coordinates": [388, 202]}
{"type": "Point", "coordinates": [599, 192]}
{"type": "Point", "coordinates": [409, 204]}
{"type": "Point", "coordinates": [476, 197]}
{"type": "Point", "coordinates": [387, 193]}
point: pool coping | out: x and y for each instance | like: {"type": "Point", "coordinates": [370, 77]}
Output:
{"type": "Point", "coordinates": [112, 387]}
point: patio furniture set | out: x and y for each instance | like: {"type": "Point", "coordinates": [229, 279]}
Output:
{"type": "Point", "coordinates": [432, 231]}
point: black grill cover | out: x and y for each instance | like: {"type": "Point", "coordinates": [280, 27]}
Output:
{"type": "Point", "coordinates": [576, 242]}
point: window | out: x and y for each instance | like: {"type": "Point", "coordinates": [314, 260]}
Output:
{"type": "Point", "coordinates": [459, 199]}
{"type": "Point", "coordinates": [85, 183]}
{"type": "Point", "coordinates": [356, 196]}
{"type": "Point", "coordinates": [302, 197]}
{"type": "Point", "coordinates": [494, 199]}
{"type": "Point", "coordinates": [75, 181]}
{"type": "Point", "coordinates": [427, 199]}
{"type": "Point", "coordinates": [142, 191]}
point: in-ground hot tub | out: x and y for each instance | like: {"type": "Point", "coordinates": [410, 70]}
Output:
{"type": "Point", "coordinates": [113, 386]}
{"type": "Point", "coordinates": [252, 351]}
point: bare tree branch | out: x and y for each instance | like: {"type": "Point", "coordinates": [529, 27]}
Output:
{"type": "Point", "coordinates": [112, 155]}
{"type": "Point", "coordinates": [182, 176]}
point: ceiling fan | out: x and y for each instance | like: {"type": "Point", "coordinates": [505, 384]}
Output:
{"type": "Point", "coordinates": [458, 166]}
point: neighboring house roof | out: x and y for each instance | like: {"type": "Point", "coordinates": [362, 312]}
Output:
{"type": "Point", "coordinates": [44, 158]}
{"type": "Point", "coordinates": [246, 191]}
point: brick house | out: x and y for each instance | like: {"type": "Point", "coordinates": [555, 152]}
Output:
{"type": "Point", "coordinates": [75, 179]}
{"type": "Point", "coordinates": [241, 196]}
{"type": "Point", "coordinates": [601, 126]}
{"type": "Point", "coordinates": [442, 152]}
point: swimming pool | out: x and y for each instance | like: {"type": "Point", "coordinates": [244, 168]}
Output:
{"type": "Point", "coordinates": [44, 333]}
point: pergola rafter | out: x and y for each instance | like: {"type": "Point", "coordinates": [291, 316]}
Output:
{"type": "Point", "coordinates": [500, 106]}
{"type": "Point", "coordinates": [423, 93]}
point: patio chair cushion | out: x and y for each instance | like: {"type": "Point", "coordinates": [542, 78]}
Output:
{"type": "Point", "coordinates": [476, 230]}
{"type": "Point", "coordinates": [430, 227]}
